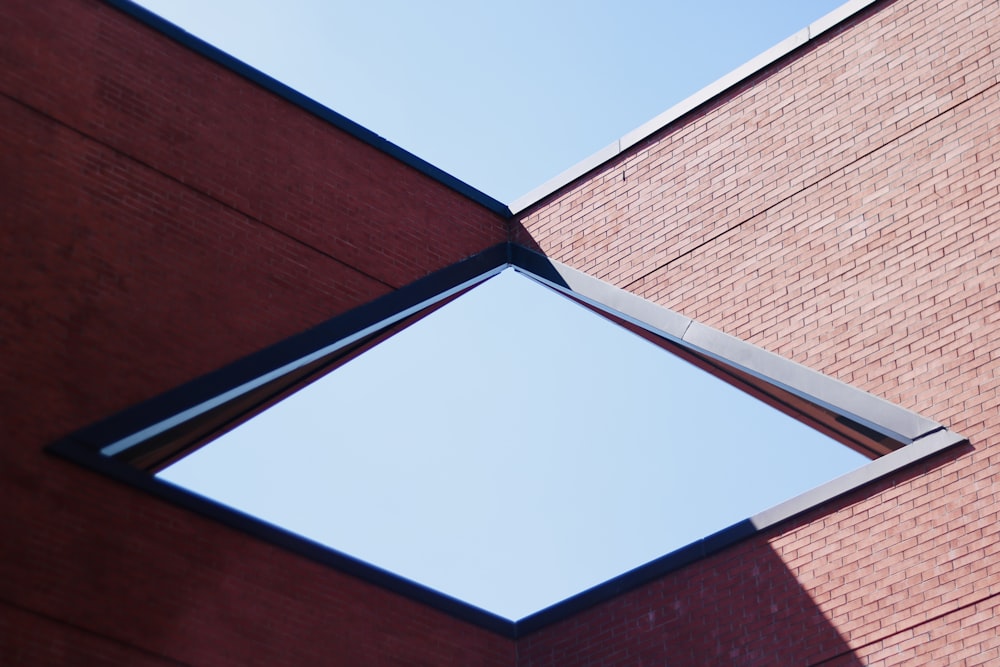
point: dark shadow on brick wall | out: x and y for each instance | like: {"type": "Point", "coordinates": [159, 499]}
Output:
{"type": "Point", "coordinates": [739, 606]}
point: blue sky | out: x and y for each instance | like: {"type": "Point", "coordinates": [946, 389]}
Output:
{"type": "Point", "coordinates": [512, 449]}
{"type": "Point", "coordinates": [505, 96]}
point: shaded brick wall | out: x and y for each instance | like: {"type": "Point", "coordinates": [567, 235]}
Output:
{"type": "Point", "coordinates": [162, 216]}
{"type": "Point", "coordinates": [839, 209]}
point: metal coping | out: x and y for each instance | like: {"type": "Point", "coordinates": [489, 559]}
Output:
{"type": "Point", "coordinates": [94, 446]}
{"type": "Point", "coordinates": [693, 102]}
{"type": "Point", "coordinates": [308, 104]}
{"type": "Point", "coordinates": [519, 205]}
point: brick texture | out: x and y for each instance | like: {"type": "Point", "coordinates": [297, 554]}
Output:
{"type": "Point", "coordinates": [837, 209]}
{"type": "Point", "coordinates": [163, 216]}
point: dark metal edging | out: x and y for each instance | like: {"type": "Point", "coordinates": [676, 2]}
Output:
{"type": "Point", "coordinates": [307, 104]}
{"type": "Point", "coordinates": [82, 454]}
{"type": "Point", "coordinates": [922, 437]}
{"type": "Point", "coordinates": [84, 447]}
{"type": "Point", "coordinates": [292, 352]}
{"type": "Point", "coordinates": [703, 548]}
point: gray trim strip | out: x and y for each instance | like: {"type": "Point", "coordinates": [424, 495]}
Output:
{"type": "Point", "coordinates": [706, 94]}
{"type": "Point", "coordinates": [876, 413]}
{"type": "Point", "coordinates": [179, 418]}
{"type": "Point", "coordinates": [626, 306]}
{"type": "Point", "coordinates": [703, 96]}
{"type": "Point", "coordinates": [734, 534]}
{"type": "Point", "coordinates": [922, 437]}
{"type": "Point", "coordinates": [880, 467]}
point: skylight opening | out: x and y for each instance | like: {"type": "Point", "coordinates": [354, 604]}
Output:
{"type": "Point", "coordinates": [507, 440]}
{"type": "Point", "coordinates": [511, 450]}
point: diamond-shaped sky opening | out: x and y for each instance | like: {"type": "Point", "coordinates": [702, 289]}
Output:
{"type": "Point", "coordinates": [512, 449]}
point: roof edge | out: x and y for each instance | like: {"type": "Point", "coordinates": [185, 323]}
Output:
{"type": "Point", "coordinates": [878, 469]}
{"type": "Point", "coordinates": [341, 122]}
{"type": "Point", "coordinates": [96, 446]}
{"type": "Point", "coordinates": [693, 102]}
{"type": "Point", "coordinates": [878, 414]}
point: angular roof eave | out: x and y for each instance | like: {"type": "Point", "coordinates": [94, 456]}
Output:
{"type": "Point", "coordinates": [105, 447]}
{"type": "Point", "coordinates": [871, 411]}
{"type": "Point", "coordinates": [307, 104]}
{"type": "Point", "coordinates": [704, 96]}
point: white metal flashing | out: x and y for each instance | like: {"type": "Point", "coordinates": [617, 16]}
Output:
{"type": "Point", "coordinates": [880, 467]}
{"type": "Point", "coordinates": [921, 436]}
{"type": "Point", "coordinates": [900, 424]}
{"type": "Point", "coordinates": [186, 415]}
{"type": "Point", "coordinates": [706, 94]}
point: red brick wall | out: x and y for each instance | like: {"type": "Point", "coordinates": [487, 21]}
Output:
{"type": "Point", "coordinates": [839, 209]}
{"type": "Point", "coordinates": [162, 216]}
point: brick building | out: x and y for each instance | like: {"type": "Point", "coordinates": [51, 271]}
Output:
{"type": "Point", "coordinates": [168, 211]}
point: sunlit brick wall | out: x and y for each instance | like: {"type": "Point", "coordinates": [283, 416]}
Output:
{"type": "Point", "coordinates": [841, 209]}
{"type": "Point", "coordinates": [162, 216]}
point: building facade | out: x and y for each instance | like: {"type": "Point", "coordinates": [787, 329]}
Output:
{"type": "Point", "coordinates": [168, 211]}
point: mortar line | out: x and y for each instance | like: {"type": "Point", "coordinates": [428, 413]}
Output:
{"type": "Point", "coordinates": [193, 188]}
{"type": "Point", "coordinates": [93, 633]}
{"type": "Point", "coordinates": [837, 172]}
{"type": "Point", "coordinates": [906, 629]}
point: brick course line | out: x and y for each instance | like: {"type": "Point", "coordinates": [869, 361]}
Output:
{"type": "Point", "coordinates": [100, 635]}
{"type": "Point", "coordinates": [171, 177]}
{"type": "Point", "coordinates": [909, 628]}
{"type": "Point", "coordinates": [792, 195]}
